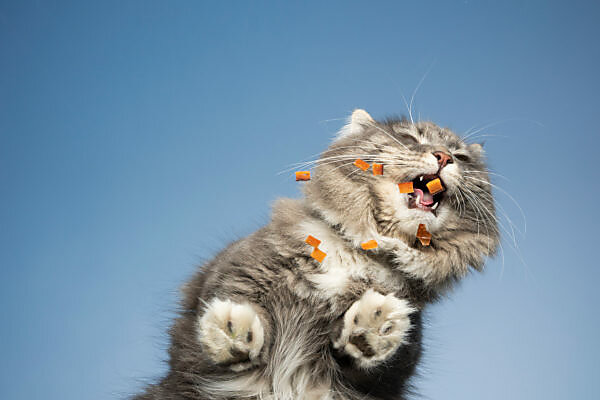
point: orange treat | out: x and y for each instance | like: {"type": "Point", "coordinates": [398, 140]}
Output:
{"type": "Point", "coordinates": [313, 241]}
{"type": "Point", "coordinates": [377, 169]}
{"type": "Point", "coordinates": [371, 244]}
{"type": "Point", "coordinates": [423, 236]}
{"type": "Point", "coordinates": [318, 255]}
{"type": "Point", "coordinates": [435, 186]}
{"type": "Point", "coordinates": [406, 187]}
{"type": "Point", "coordinates": [361, 164]}
{"type": "Point", "coordinates": [303, 175]}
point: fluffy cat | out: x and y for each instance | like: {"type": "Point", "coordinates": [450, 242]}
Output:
{"type": "Point", "coordinates": [264, 320]}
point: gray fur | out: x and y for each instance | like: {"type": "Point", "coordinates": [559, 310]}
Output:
{"type": "Point", "coordinates": [272, 270]}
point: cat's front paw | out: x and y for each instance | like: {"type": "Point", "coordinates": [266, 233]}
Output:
{"type": "Point", "coordinates": [231, 334]}
{"type": "Point", "coordinates": [374, 327]}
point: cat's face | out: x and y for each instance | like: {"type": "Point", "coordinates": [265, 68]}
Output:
{"type": "Point", "coordinates": [410, 152]}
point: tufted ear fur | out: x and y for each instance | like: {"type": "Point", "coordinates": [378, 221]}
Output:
{"type": "Point", "coordinates": [477, 149]}
{"type": "Point", "coordinates": [356, 123]}
{"type": "Point", "coordinates": [360, 116]}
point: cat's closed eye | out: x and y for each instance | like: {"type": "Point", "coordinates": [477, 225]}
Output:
{"type": "Point", "coordinates": [408, 137]}
{"type": "Point", "coordinates": [462, 157]}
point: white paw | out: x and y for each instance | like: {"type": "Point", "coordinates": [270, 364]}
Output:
{"type": "Point", "coordinates": [374, 327]}
{"type": "Point", "coordinates": [231, 334]}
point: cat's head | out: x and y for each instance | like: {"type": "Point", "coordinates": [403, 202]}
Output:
{"type": "Point", "coordinates": [367, 206]}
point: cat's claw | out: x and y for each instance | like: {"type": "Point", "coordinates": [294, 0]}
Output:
{"type": "Point", "coordinates": [231, 334]}
{"type": "Point", "coordinates": [374, 327]}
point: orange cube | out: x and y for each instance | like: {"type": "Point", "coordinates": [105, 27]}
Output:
{"type": "Point", "coordinates": [361, 164]}
{"type": "Point", "coordinates": [377, 169]}
{"type": "Point", "coordinates": [435, 186]}
{"type": "Point", "coordinates": [371, 244]}
{"type": "Point", "coordinates": [318, 255]}
{"type": "Point", "coordinates": [406, 187]}
{"type": "Point", "coordinates": [313, 241]}
{"type": "Point", "coordinates": [303, 175]}
{"type": "Point", "coordinates": [423, 236]}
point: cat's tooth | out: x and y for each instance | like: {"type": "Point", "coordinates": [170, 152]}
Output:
{"type": "Point", "coordinates": [421, 178]}
{"type": "Point", "coordinates": [435, 205]}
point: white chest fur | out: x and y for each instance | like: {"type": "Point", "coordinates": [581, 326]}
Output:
{"type": "Point", "coordinates": [343, 265]}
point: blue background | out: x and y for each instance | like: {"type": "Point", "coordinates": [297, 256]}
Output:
{"type": "Point", "coordinates": [137, 138]}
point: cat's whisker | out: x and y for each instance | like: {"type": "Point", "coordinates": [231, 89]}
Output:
{"type": "Point", "coordinates": [514, 246]}
{"type": "Point", "coordinates": [497, 222]}
{"type": "Point", "coordinates": [475, 137]}
{"type": "Point", "coordinates": [469, 130]}
{"type": "Point", "coordinates": [502, 255]}
{"type": "Point", "coordinates": [323, 158]}
{"type": "Point", "coordinates": [476, 208]}
{"type": "Point", "coordinates": [488, 215]}
{"type": "Point", "coordinates": [339, 157]}
{"type": "Point", "coordinates": [460, 203]}
{"type": "Point", "coordinates": [507, 194]}
{"type": "Point", "coordinates": [464, 138]}
{"type": "Point", "coordinates": [412, 98]}
{"type": "Point", "coordinates": [366, 158]}
{"type": "Point", "coordinates": [503, 212]}
{"type": "Point", "coordinates": [330, 150]}
{"type": "Point", "coordinates": [477, 202]}
{"type": "Point", "coordinates": [327, 173]}
{"type": "Point", "coordinates": [351, 173]}
{"type": "Point", "coordinates": [407, 108]}
{"type": "Point", "coordinates": [308, 164]}
{"type": "Point", "coordinates": [479, 173]}
{"type": "Point", "coordinates": [333, 119]}
{"type": "Point", "coordinates": [331, 171]}
{"type": "Point", "coordinates": [491, 124]}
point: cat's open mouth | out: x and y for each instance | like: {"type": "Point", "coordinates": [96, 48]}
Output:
{"type": "Point", "coordinates": [421, 198]}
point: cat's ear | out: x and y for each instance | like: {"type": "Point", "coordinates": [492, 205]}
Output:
{"type": "Point", "coordinates": [356, 123]}
{"type": "Point", "coordinates": [360, 116]}
{"type": "Point", "coordinates": [477, 149]}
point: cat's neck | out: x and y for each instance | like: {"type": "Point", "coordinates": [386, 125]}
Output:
{"type": "Point", "coordinates": [355, 234]}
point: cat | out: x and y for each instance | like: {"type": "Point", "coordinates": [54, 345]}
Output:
{"type": "Point", "coordinates": [265, 320]}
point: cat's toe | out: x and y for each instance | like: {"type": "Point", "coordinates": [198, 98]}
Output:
{"type": "Point", "coordinates": [231, 334]}
{"type": "Point", "coordinates": [374, 327]}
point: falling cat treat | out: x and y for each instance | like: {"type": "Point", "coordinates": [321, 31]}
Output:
{"type": "Point", "coordinates": [361, 164]}
{"type": "Point", "coordinates": [406, 187]}
{"type": "Point", "coordinates": [313, 241]}
{"type": "Point", "coordinates": [371, 244]}
{"type": "Point", "coordinates": [423, 236]}
{"type": "Point", "coordinates": [303, 175]}
{"type": "Point", "coordinates": [318, 255]}
{"type": "Point", "coordinates": [435, 186]}
{"type": "Point", "coordinates": [377, 169]}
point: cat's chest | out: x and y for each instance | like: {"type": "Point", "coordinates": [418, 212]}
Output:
{"type": "Point", "coordinates": [347, 270]}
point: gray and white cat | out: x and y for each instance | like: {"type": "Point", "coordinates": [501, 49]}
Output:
{"type": "Point", "coordinates": [265, 320]}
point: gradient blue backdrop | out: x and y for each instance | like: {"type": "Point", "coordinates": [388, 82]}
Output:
{"type": "Point", "coordinates": [137, 138]}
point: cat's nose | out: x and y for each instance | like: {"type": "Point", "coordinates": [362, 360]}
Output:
{"type": "Point", "coordinates": [443, 158]}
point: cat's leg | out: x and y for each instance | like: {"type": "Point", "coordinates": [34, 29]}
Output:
{"type": "Point", "coordinates": [373, 328]}
{"type": "Point", "coordinates": [232, 334]}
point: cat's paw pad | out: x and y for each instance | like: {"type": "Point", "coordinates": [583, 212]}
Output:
{"type": "Point", "coordinates": [374, 327]}
{"type": "Point", "coordinates": [231, 334]}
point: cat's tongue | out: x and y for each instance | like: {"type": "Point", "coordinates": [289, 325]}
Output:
{"type": "Point", "coordinates": [426, 199]}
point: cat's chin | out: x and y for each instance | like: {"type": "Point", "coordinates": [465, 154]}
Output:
{"type": "Point", "coordinates": [413, 205]}
{"type": "Point", "coordinates": [410, 218]}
